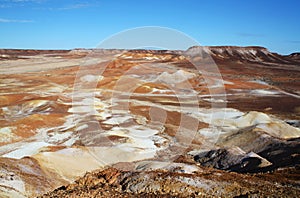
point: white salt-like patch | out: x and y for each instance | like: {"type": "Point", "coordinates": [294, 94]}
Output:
{"type": "Point", "coordinates": [89, 101]}
{"type": "Point", "coordinates": [209, 132]}
{"type": "Point", "coordinates": [81, 127]}
{"type": "Point", "coordinates": [126, 57]}
{"type": "Point", "coordinates": [211, 115]}
{"type": "Point", "coordinates": [118, 131]}
{"type": "Point", "coordinates": [58, 137]}
{"type": "Point", "coordinates": [34, 105]}
{"type": "Point", "coordinates": [260, 82]}
{"type": "Point", "coordinates": [56, 89]}
{"type": "Point", "coordinates": [118, 119]}
{"type": "Point", "coordinates": [91, 78]}
{"type": "Point", "coordinates": [11, 180]}
{"type": "Point", "coordinates": [82, 109]}
{"type": "Point", "coordinates": [71, 122]}
{"type": "Point", "coordinates": [213, 100]}
{"type": "Point", "coordinates": [29, 149]}
{"type": "Point", "coordinates": [79, 96]}
{"type": "Point", "coordinates": [89, 105]}
{"type": "Point", "coordinates": [177, 77]}
{"type": "Point", "coordinates": [6, 134]}
{"type": "Point", "coordinates": [264, 92]}
{"type": "Point", "coordinates": [140, 138]}
{"type": "Point", "coordinates": [141, 131]}
{"type": "Point", "coordinates": [254, 52]}
{"type": "Point", "coordinates": [161, 91]}
{"type": "Point", "coordinates": [139, 143]}
{"type": "Point", "coordinates": [71, 141]}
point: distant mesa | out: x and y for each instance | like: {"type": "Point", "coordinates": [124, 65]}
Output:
{"type": "Point", "coordinates": [250, 54]}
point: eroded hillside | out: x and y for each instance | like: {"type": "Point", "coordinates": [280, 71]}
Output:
{"type": "Point", "coordinates": [218, 121]}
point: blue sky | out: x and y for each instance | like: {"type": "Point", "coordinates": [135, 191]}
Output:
{"type": "Point", "coordinates": [65, 24]}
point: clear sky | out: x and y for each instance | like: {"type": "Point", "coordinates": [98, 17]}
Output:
{"type": "Point", "coordinates": [66, 24]}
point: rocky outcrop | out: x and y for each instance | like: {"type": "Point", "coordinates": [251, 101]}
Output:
{"type": "Point", "coordinates": [205, 183]}
{"type": "Point", "coordinates": [232, 160]}
{"type": "Point", "coordinates": [295, 56]}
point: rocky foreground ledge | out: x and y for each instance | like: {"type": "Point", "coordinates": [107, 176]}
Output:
{"type": "Point", "coordinates": [209, 121]}
{"type": "Point", "coordinates": [167, 183]}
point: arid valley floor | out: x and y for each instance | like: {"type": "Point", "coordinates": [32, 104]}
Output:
{"type": "Point", "coordinates": [205, 122]}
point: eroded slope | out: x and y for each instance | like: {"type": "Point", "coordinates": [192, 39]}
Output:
{"type": "Point", "coordinates": [65, 113]}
